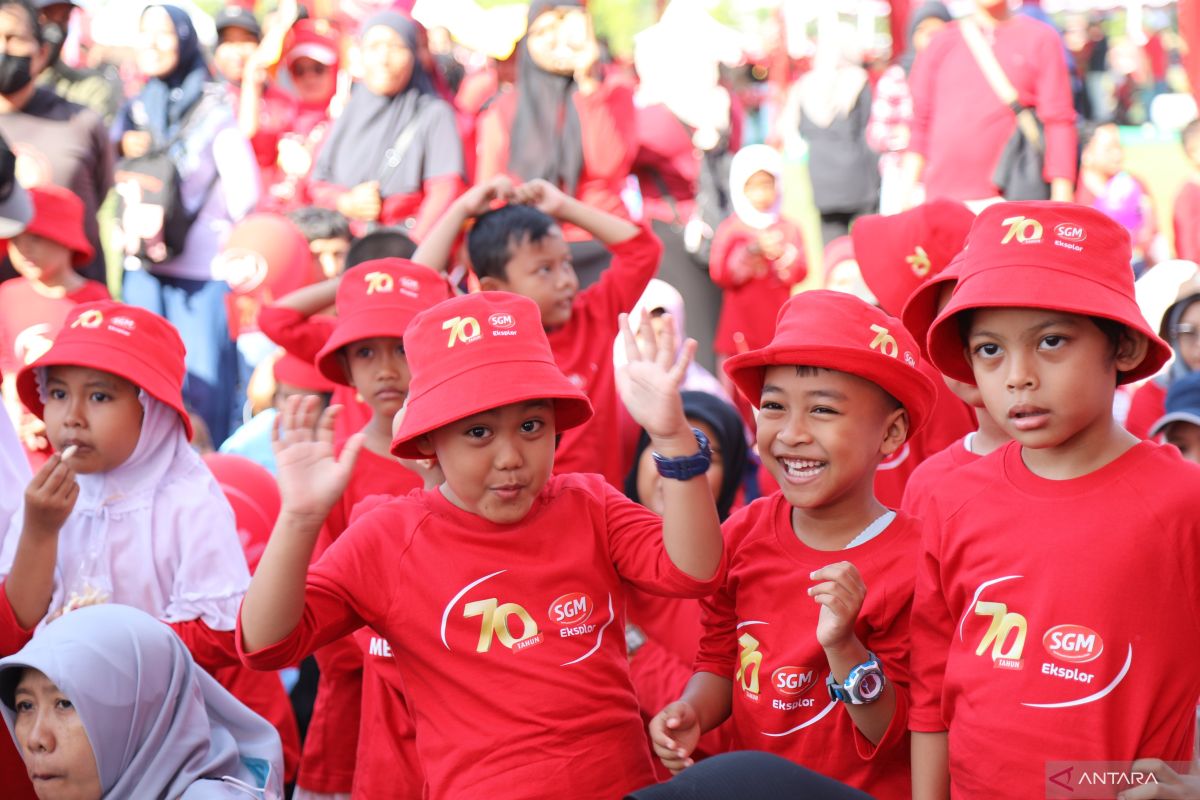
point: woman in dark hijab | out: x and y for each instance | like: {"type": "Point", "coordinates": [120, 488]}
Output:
{"type": "Point", "coordinates": [394, 155]}
{"type": "Point", "coordinates": [563, 123]}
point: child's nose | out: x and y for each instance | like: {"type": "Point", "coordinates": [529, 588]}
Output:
{"type": "Point", "coordinates": [1021, 373]}
{"type": "Point", "coordinates": [508, 454]}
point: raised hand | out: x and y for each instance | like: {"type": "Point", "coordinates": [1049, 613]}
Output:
{"type": "Point", "coordinates": [50, 496]}
{"type": "Point", "coordinates": [674, 733]}
{"type": "Point", "coordinates": [480, 197]}
{"type": "Point", "coordinates": [311, 477]}
{"type": "Point", "coordinates": [542, 195]}
{"type": "Point", "coordinates": [649, 383]}
{"type": "Point", "coordinates": [840, 591]}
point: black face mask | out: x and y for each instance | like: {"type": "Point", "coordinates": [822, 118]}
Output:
{"type": "Point", "coordinates": [15, 73]}
{"type": "Point", "coordinates": [54, 36]}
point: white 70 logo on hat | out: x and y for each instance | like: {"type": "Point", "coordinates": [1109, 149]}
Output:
{"type": "Point", "coordinates": [462, 329]}
{"type": "Point", "coordinates": [1023, 229]}
{"type": "Point", "coordinates": [379, 282]}
{"type": "Point", "coordinates": [884, 342]}
{"type": "Point", "coordinates": [88, 319]}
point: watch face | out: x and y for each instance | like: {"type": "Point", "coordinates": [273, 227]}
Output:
{"type": "Point", "coordinates": [870, 686]}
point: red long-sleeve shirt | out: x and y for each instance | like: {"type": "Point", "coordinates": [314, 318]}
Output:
{"type": "Point", "coordinates": [959, 124]}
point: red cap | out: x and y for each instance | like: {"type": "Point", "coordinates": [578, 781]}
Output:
{"type": "Point", "coordinates": [378, 298]}
{"type": "Point", "coordinates": [897, 253]}
{"type": "Point", "coordinates": [297, 372]}
{"type": "Point", "coordinates": [252, 492]}
{"type": "Point", "coordinates": [836, 330]}
{"type": "Point", "coordinates": [922, 307]}
{"type": "Point", "coordinates": [58, 216]}
{"type": "Point", "coordinates": [267, 255]}
{"type": "Point", "coordinates": [478, 352]}
{"type": "Point", "coordinates": [315, 39]}
{"type": "Point", "coordinates": [126, 341]}
{"type": "Point", "coordinates": [1047, 255]}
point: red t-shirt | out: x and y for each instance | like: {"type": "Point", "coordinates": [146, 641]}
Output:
{"type": "Point", "coordinates": [959, 124]}
{"type": "Point", "coordinates": [950, 419]}
{"type": "Point", "coordinates": [331, 746]}
{"type": "Point", "coordinates": [388, 766]}
{"type": "Point", "coordinates": [1148, 405]}
{"type": "Point", "coordinates": [1187, 221]}
{"type": "Point", "coordinates": [759, 631]}
{"type": "Point", "coordinates": [508, 638]}
{"type": "Point", "coordinates": [583, 351]}
{"type": "Point", "coordinates": [29, 319]}
{"type": "Point", "coordinates": [755, 287]}
{"type": "Point", "coordinates": [1055, 620]}
{"type": "Point", "coordinates": [932, 473]}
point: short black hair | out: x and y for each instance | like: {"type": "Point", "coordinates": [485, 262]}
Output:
{"type": "Point", "coordinates": [1190, 135]}
{"type": "Point", "coordinates": [380, 243]}
{"type": "Point", "coordinates": [495, 234]}
{"type": "Point", "coordinates": [321, 223]}
{"type": "Point", "coordinates": [31, 12]}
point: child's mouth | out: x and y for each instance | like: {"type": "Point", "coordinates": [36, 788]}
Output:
{"type": "Point", "coordinates": [1028, 418]}
{"type": "Point", "coordinates": [508, 492]}
{"type": "Point", "coordinates": [800, 470]}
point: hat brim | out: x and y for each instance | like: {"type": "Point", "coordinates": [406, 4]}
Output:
{"type": "Point", "coordinates": [319, 53]}
{"type": "Point", "coordinates": [93, 355]}
{"type": "Point", "coordinates": [1174, 416]}
{"type": "Point", "coordinates": [477, 390]}
{"type": "Point", "coordinates": [910, 388]}
{"type": "Point", "coordinates": [920, 310]}
{"type": "Point", "coordinates": [365, 324]}
{"type": "Point", "coordinates": [1043, 288]}
{"type": "Point", "coordinates": [875, 266]}
{"type": "Point", "coordinates": [15, 213]}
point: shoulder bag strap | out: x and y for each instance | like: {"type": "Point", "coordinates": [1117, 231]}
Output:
{"type": "Point", "coordinates": [998, 80]}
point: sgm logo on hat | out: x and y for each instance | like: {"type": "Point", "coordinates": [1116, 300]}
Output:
{"type": "Point", "coordinates": [884, 342]}
{"type": "Point", "coordinates": [462, 329]}
{"type": "Point", "coordinates": [88, 319]}
{"type": "Point", "coordinates": [379, 282]}
{"type": "Point", "coordinates": [502, 320]}
{"type": "Point", "coordinates": [919, 262]}
{"type": "Point", "coordinates": [1070, 231]}
{"type": "Point", "coordinates": [1024, 229]}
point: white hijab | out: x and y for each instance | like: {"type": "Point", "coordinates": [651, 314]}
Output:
{"type": "Point", "coordinates": [161, 727]}
{"type": "Point", "coordinates": [747, 161]}
{"type": "Point", "coordinates": [156, 533]}
{"type": "Point", "coordinates": [14, 472]}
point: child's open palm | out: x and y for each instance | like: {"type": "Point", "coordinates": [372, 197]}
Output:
{"type": "Point", "coordinates": [311, 477]}
{"type": "Point", "coordinates": [649, 383]}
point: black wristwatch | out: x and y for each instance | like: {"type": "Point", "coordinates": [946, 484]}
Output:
{"type": "Point", "coordinates": [685, 468]}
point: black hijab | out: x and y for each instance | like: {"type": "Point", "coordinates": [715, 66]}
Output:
{"type": "Point", "coordinates": [726, 423]}
{"type": "Point", "coordinates": [369, 127]}
{"type": "Point", "coordinates": [934, 8]}
{"type": "Point", "coordinates": [546, 140]}
{"type": "Point", "coordinates": [167, 99]}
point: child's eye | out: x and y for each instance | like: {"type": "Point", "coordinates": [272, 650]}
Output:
{"type": "Point", "coordinates": [363, 352]}
{"type": "Point", "coordinates": [987, 350]}
{"type": "Point", "coordinates": [770, 405]}
{"type": "Point", "coordinates": [1053, 341]}
{"type": "Point", "coordinates": [824, 410]}
{"type": "Point", "coordinates": [99, 397]}
{"type": "Point", "coordinates": [477, 432]}
{"type": "Point", "coordinates": [56, 394]}
{"type": "Point", "coordinates": [532, 425]}
{"type": "Point", "coordinates": [23, 706]}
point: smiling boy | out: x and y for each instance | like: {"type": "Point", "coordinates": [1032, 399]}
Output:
{"type": "Point", "coordinates": [1056, 598]}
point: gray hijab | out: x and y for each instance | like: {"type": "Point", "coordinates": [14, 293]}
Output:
{"type": "Point", "coordinates": [161, 727]}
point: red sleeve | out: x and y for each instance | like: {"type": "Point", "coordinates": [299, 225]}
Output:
{"type": "Point", "coordinates": [301, 336]}
{"type": "Point", "coordinates": [439, 194]}
{"type": "Point", "coordinates": [634, 262]}
{"type": "Point", "coordinates": [931, 631]}
{"type": "Point", "coordinates": [324, 194]}
{"type": "Point", "coordinates": [731, 263]}
{"type": "Point", "coordinates": [12, 636]}
{"type": "Point", "coordinates": [718, 644]}
{"type": "Point", "coordinates": [921, 81]}
{"type": "Point", "coordinates": [211, 649]}
{"type": "Point", "coordinates": [608, 129]}
{"type": "Point", "coordinates": [1056, 109]}
{"type": "Point", "coordinates": [636, 546]}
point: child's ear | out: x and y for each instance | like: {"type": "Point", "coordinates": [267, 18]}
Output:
{"type": "Point", "coordinates": [425, 445]}
{"type": "Point", "coordinates": [896, 431]}
{"type": "Point", "coordinates": [490, 283]}
{"type": "Point", "coordinates": [1132, 348]}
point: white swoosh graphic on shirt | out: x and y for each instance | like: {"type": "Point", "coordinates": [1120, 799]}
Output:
{"type": "Point", "coordinates": [457, 597]}
{"type": "Point", "coordinates": [750, 622]}
{"type": "Point", "coordinates": [599, 636]}
{"type": "Point", "coordinates": [812, 721]}
{"type": "Point", "coordinates": [1091, 698]}
{"type": "Point", "coordinates": [975, 599]}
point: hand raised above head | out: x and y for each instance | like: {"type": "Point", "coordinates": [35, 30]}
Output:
{"type": "Point", "coordinates": [649, 384]}
{"type": "Point", "coordinates": [311, 476]}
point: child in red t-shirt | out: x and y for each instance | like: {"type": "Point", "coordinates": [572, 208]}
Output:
{"type": "Point", "coordinates": [499, 592]}
{"type": "Point", "coordinates": [838, 390]}
{"type": "Point", "coordinates": [1186, 212]}
{"type": "Point", "coordinates": [34, 304]}
{"type": "Point", "coordinates": [520, 248]}
{"type": "Point", "coordinates": [757, 255]}
{"type": "Point", "coordinates": [1056, 596]}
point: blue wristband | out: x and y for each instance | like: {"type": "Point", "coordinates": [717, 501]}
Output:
{"type": "Point", "coordinates": [685, 468]}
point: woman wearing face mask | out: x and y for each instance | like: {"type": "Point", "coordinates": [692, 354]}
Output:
{"type": "Point", "coordinates": [563, 123]}
{"type": "Point", "coordinates": [181, 109]}
{"type": "Point", "coordinates": [394, 155]}
{"type": "Point", "coordinates": [106, 703]}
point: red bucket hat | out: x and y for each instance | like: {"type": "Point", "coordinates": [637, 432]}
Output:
{"type": "Point", "coordinates": [58, 216]}
{"type": "Point", "coordinates": [1047, 255]}
{"type": "Point", "coordinates": [897, 253]}
{"type": "Point", "coordinates": [838, 331]}
{"type": "Point", "coordinates": [296, 371]}
{"type": "Point", "coordinates": [921, 309]}
{"type": "Point", "coordinates": [378, 298]}
{"type": "Point", "coordinates": [127, 341]}
{"type": "Point", "coordinates": [477, 352]}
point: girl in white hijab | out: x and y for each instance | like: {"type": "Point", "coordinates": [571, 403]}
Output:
{"type": "Point", "coordinates": [107, 703]}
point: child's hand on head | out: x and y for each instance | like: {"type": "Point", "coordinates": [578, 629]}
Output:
{"type": "Point", "coordinates": [674, 733]}
{"type": "Point", "coordinates": [840, 591]}
{"type": "Point", "coordinates": [480, 197]}
{"type": "Point", "coordinates": [311, 477]}
{"type": "Point", "coordinates": [50, 496]}
{"type": "Point", "coordinates": [649, 382]}
{"type": "Point", "coordinates": [542, 195]}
